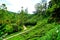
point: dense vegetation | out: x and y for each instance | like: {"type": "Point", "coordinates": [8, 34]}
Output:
{"type": "Point", "coordinates": [44, 24]}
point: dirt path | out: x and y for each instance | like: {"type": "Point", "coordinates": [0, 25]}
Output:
{"type": "Point", "coordinates": [20, 33]}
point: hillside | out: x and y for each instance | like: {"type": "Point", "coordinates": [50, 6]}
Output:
{"type": "Point", "coordinates": [43, 24]}
{"type": "Point", "coordinates": [42, 31]}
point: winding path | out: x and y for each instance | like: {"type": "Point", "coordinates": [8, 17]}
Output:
{"type": "Point", "coordinates": [19, 33]}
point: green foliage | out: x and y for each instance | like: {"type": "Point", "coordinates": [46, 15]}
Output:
{"type": "Point", "coordinates": [23, 17]}
{"type": "Point", "coordinates": [40, 8]}
{"type": "Point", "coordinates": [42, 31]}
{"type": "Point", "coordinates": [40, 26]}
{"type": "Point", "coordinates": [49, 11]}
{"type": "Point", "coordinates": [9, 28]}
{"type": "Point", "coordinates": [53, 10]}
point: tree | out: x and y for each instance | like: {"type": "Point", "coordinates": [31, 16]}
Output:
{"type": "Point", "coordinates": [41, 7]}
{"type": "Point", "coordinates": [26, 10]}
{"type": "Point", "coordinates": [50, 4]}
{"type": "Point", "coordinates": [23, 17]}
{"type": "Point", "coordinates": [54, 10]}
{"type": "Point", "coordinates": [38, 8]}
{"type": "Point", "coordinates": [2, 17]}
{"type": "Point", "coordinates": [55, 2]}
{"type": "Point", "coordinates": [3, 7]}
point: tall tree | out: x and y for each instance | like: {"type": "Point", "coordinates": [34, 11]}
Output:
{"type": "Point", "coordinates": [23, 17]}
{"type": "Point", "coordinates": [50, 4]}
{"type": "Point", "coordinates": [41, 7]}
{"type": "Point", "coordinates": [54, 10]}
{"type": "Point", "coordinates": [2, 15]}
{"type": "Point", "coordinates": [3, 7]}
{"type": "Point", "coordinates": [26, 10]}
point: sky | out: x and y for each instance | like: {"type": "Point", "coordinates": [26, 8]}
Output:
{"type": "Point", "coordinates": [15, 5]}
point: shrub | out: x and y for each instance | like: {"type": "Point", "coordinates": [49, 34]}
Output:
{"type": "Point", "coordinates": [9, 29]}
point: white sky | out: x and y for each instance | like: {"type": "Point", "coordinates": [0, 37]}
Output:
{"type": "Point", "coordinates": [15, 5]}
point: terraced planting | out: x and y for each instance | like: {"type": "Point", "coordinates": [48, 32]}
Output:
{"type": "Point", "coordinates": [41, 31]}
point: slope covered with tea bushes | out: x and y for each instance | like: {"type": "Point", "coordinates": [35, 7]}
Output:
{"type": "Point", "coordinates": [42, 31]}
{"type": "Point", "coordinates": [44, 24]}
